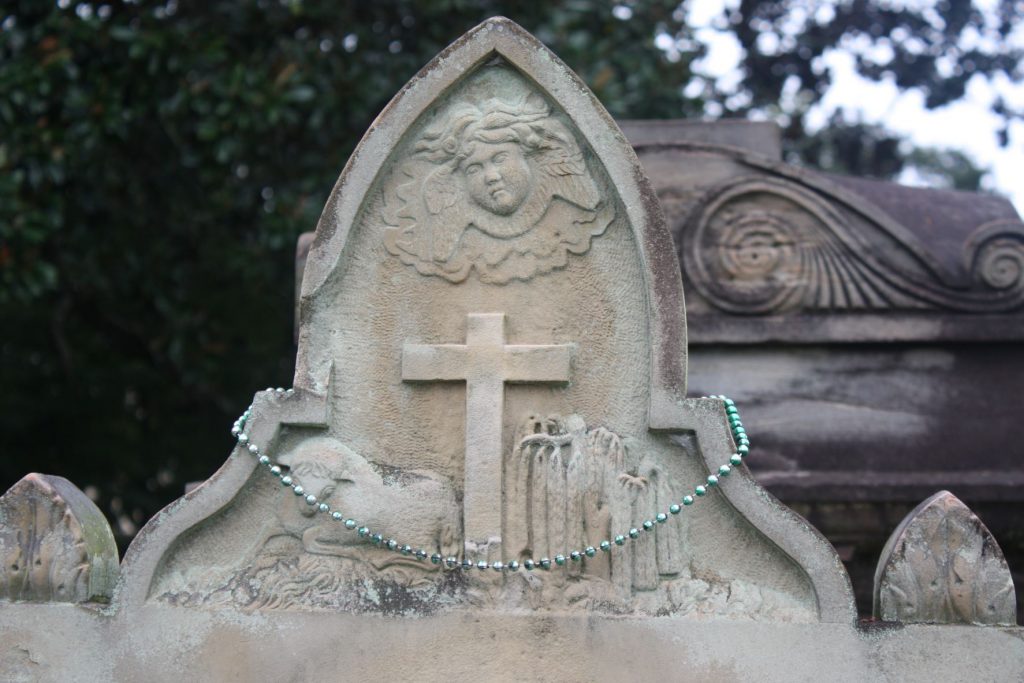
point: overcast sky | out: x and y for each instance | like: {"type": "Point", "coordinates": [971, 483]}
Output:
{"type": "Point", "coordinates": [967, 125]}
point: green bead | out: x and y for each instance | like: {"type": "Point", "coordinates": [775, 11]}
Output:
{"type": "Point", "coordinates": [724, 471]}
{"type": "Point", "coordinates": [406, 549]}
{"type": "Point", "coordinates": [712, 480]}
{"type": "Point", "coordinates": [648, 525]}
{"type": "Point", "coordinates": [605, 546]}
{"type": "Point", "coordinates": [545, 563]}
{"type": "Point", "coordinates": [736, 460]}
{"type": "Point", "coordinates": [435, 558]}
{"type": "Point", "coordinates": [575, 556]}
{"type": "Point", "coordinates": [528, 564]}
{"type": "Point", "coordinates": [377, 539]}
{"type": "Point", "coordinates": [744, 451]}
{"type": "Point", "coordinates": [661, 518]}
{"type": "Point", "coordinates": [365, 531]}
{"type": "Point", "coordinates": [687, 500]}
{"type": "Point", "coordinates": [620, 539]}
{"type": "Point", "coordinates": [634, 533]}
{"type": "Point", "coordinates": [674, 508]}
{"type": "Point", "coordinates": [731, 410]}
{"type": "Point", "coordinates": [392, 544]}
{"type": "Point", "coordinates": [729, 402]}
{"type": "Point", "coordinates": [559, 560]}
{"type": "Point", "coordinates": [512, 565]}
{"type": "Point", "coordinates": [589, 551]}
{"type": "Point", "coordinates": [700, 490]}
{"type": "Point", "coordinates": [350, 524]}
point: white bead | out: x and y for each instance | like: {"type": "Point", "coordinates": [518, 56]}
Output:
{"type": "Point", "coordinates": [253, 448]}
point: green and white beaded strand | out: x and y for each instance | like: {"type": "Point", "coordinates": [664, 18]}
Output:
{"type": "Point", "coordinates": [451, 562]}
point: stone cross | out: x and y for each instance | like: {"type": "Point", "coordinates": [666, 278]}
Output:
{"type": "Point", "coordinates": [485, 363]}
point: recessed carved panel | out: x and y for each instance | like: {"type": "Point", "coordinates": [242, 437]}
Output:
{"type": "Point", "coordinates": [567, 486]}
{"type": "Point", "coordinates": [496, 185]}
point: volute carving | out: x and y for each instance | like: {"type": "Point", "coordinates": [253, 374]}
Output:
{"type": "Point", "coordinates": [762, 245]}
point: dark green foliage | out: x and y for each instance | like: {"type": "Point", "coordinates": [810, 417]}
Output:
{"type": "Point", "coordinates": [157, 162]}
{"type": "Point", "coordinates": [156, 167]}
{"type": "Point", "coordinates": [936, 50]}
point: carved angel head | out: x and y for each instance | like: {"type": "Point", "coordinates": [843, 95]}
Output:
{"type": "Point", "coordinates": [492, 151]}
{"type": "Point", "coordinates": [499, 185]}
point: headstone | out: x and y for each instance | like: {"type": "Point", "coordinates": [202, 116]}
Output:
{"type": "Point", "coordinates": [493, 291]}
{"type": "Point", "coordinates": [488, 466]}
{"type": "Point", "coordinates": [942, 566]}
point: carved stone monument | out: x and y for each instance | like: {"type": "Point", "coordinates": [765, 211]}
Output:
{"type": "Point", "coordinates": [488, 466]}
{"type": "Point", "coordinates": [871, 331]}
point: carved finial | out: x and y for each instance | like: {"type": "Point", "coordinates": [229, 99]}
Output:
{"type": "Point", "coordinates": [55, 544]}
{"type": "Point", "coordinates": [941, 565]}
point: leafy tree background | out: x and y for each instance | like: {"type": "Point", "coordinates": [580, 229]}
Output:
{"type": "Point", "coordinates": [158, 161]}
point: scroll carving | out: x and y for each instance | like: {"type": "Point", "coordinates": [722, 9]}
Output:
{"type": "Point", "coordinates": [55, 544]}
{"type": "Point", "coordinates": [766, 246]}
{"type": "Point", "coordinates": [941, 565]}
{"type": "Point", "coordinates": [497, 187]}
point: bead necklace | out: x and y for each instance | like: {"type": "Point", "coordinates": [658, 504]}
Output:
{"type": "Point", "coordinates": [451, 562]}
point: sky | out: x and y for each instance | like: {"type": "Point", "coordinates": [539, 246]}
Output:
{"type": "Point", "coordinates": [967, 125]}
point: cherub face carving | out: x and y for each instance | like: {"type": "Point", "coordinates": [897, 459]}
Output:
{"type": "Point", "coordinates": [497, 176]}
{"type": "Point", "coordinates": [499, 186]}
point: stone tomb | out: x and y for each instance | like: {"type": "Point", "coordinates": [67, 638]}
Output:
{"type": "Point", "coordinates": [491, 376]}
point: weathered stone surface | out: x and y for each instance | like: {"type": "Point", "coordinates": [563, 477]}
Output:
{"type": "Point", "coordinates": [162, 643]}
{"type": "Point", "coordinates": [55, 544]}
{"type": "Point", "coordinates": [942, 566]}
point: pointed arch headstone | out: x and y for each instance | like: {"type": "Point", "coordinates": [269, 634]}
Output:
{"type": "Point", "coordinates": [491, 370]}
{"type": "Point", "coordinates": [942, 565]}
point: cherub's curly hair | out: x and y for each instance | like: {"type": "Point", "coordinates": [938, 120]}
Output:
{"type": "Point", "coordinates": [527, 122]}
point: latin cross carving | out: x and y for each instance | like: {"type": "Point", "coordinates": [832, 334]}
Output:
{"type": "Point", "coordinates": [485, 363]}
